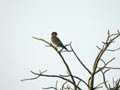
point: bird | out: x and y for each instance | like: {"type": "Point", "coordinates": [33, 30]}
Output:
{"type": "Point", "coordinates": [56, 41]}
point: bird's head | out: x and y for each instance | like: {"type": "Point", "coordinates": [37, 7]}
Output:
{"type": "Point", "coordinates": [54, 33]}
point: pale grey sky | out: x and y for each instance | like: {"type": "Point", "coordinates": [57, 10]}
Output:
{"type": "Point", "coordinates": [84, 22]}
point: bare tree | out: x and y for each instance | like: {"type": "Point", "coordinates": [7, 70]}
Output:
{"type": "Point", "coordinates": [72, 82]}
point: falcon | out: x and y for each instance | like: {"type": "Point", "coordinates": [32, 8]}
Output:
{"type": "Point", "coordinates": [56, 41]}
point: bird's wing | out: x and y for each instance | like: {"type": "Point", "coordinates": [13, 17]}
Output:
{"type": "Point", "coordinates": [57, 41]}
{"type": "Point", "coordinates": [60, 44]}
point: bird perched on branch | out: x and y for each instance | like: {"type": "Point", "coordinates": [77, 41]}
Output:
{"type": "Point", "coordinates": [56, 41]}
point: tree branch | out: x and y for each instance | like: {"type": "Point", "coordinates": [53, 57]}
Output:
{"type": "Point", "coordinates": [71, 79]}
{"type": "Point", "coordinates": [59, 53]}
{"type": "Point", "coordinates": [46, 75]}
{"type": "Point", "coordinates": [80, 60]}
{"type": "Point", "coordinates": [109, 40]}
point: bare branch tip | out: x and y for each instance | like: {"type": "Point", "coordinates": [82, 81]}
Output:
{"type": "Point", "coordinates": [98, 47]}
{"type": "Point", "coordinates": [108, 32]}
{"type": "Point", "coordinates": [118, 31]}
{"type": "Point", "coordinates": [34, 37]}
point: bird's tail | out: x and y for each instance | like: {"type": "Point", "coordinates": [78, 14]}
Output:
{"type": "Point", "coordinates": [65, 48]}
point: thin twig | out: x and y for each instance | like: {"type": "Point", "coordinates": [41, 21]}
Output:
{"type": "Point", "coordinates": [76, 78]}
{"type": "Point", "coordinates": [52, 87]}
{"type": "Point", "coordinates": [104, 79]}
{"type": "Point", "coordinates": [64, 85]}
{"type": "Point", "coordinates": [113, 68]}
{"type": "Point", "coordinates": [109, 40]}
{"type": "Point", "coordinates": [59, 53]}
{"type": "Point", "coordinates": [105, 64]}
{"type": "Point", "coordinates": [80, 60]}
{"type": "Point", "coordinates": [46, 75]}
{"type": "Point", "coordinates": [113, 49]}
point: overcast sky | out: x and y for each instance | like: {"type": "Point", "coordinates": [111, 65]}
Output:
{"type": "Point", "coordinates": [84, 22]}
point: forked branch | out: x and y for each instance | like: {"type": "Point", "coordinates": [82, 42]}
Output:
{"type": "Point", "coordinates": [110, 39]}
